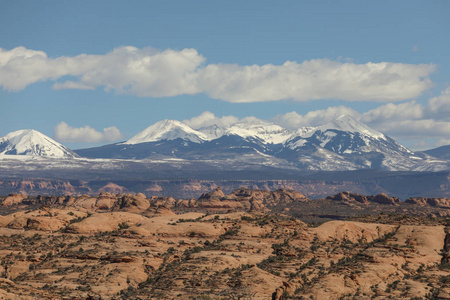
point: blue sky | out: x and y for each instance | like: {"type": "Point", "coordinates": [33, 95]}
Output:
{"type": "Point", "coordinates": [228, 58]}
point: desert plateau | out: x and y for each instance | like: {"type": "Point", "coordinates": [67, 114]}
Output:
{"type": "Point", "coordinates": [248, 244]}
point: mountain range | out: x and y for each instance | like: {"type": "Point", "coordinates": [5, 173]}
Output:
{"type": "Point", "coordinates": [342, 144]}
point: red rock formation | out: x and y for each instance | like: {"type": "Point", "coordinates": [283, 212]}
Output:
{"type": "Point", "coordinates": [13, 199]}
{"type": "Point", "coordinates": [348, 196]}
{"type": "Point", "coordinates": [435, 202]}
{"type": "Point", "coordinates": [113, 188]}
{"type": "Point", "coordinates": [385, 199]}
{"type": "Point", "coordinates": [352, 197]}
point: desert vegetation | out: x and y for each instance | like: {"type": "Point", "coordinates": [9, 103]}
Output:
{"type": "Point", "coordinates": [133, 247]}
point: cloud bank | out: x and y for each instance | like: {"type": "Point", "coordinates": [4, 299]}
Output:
{"type": "Point", "coordinates": [422, 126]}
{"type": "Point", "coordinates": [86, 134]}
{"type": "Point", "coordinates": [148, 72]}
{"type": "Point", "coordinates": [440, 105]}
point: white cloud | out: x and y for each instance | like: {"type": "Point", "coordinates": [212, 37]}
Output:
{"type": "Point", "coordinates": [403, 111]}
{"type": "Point", "coordinates": [415, 129]}
{"type": "Point", "coordinates": [142, 72]}
{"type": "Point", "coordinates": [293, 120]}
{"type": "Point", "coordinates": [411, 120]}
{"type": "Point", "coordinates": [208, 118]}
{"type": "Point", "coordinates": [148, 72]}
{"type": "Point", "coordinates": [20, 67]}
{"type": "Point", "coordinates": [72, 85]}
{"type": "Point", "coordinates": [86, 134]}
{"type": "Point", "coordinates": [440, 106]}
{"type": "Point", "coordinates": [316, 79]}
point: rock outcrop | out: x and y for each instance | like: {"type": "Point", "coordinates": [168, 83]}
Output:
{"type": "Point", "coordinates": [352, 197]}
{"type": "Point", "coordinates": [435, 202]}
{"type": "Point", "coordinates": [13, 199]}
{"type": "Point", "coordinates": [249, 199]}
{"type": "Point", "coordinates": [349, 197]}
{"type": "Point", "coordinates": [132, 203]}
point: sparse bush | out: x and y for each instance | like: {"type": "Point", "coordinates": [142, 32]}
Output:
{"type": "Point", "coordinates": [123, 225]}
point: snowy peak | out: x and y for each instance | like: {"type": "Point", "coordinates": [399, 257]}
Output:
{"type": "Point", "coordinates": [33, 143]}
{"type": "Point", "coordinates": [172, 129]}
{"type": "Point", "coordinates": [167, 130]}
{"type": "Point", "coordinates": [345, 135]}
{"type": "Point", "coordinates": [348, 124]}
{"type": "Point", "coordinates": [212, 132]}
{"type": "Point", "coordinates": [267, 132]}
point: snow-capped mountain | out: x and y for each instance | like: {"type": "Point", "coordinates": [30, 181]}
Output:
{"type": "Point", "coordinates": [348, 124]}
{"type": "Point", "coordinates": [345, 135]}
{"type": "Point", "coordinates": [356, 143]}
{"type": "Point", "coordinates": [167, 130]}
{"type": "Point", "coordinates": [342, 144]}
{"type": "Point", "coordinates": [266, 132]}
{"type": "Point", "coordinates": [212, 132]}
{"type": "Point", "coordinates": [33, 143]}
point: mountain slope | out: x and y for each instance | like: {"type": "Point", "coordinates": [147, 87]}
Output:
{"type": "Point", "coordinates": [442, 152]}
{"type": "Point", "coordinates": [266, 132]}
{"type": "Point", "coordinates": [33, 143]}
{"type": "Point", "coordinates": [359, 144]}
{"type": "Point", "coordinates": [345, 135]}
{"type": "Point", "coordinates": [167, 130]}
{"type": "Point", "coordinates": [342, 144]}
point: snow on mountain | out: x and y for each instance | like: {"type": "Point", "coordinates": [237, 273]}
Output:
{"type": "Point", "coordinates": [33, 143]}
{"type": "Point", "coordinates": [345, 135]}
{"type": "Point", "coordinates": [348, 124]}
{"type": "Point", "coordinates": [267, 132]}
{"type": "Point", "coordinates": [304, 131]}
{"type": "Point", "coordinates": [167, 130]}
{"type": "Point", "coordinates": [212, 132]}
{"type": "Point", "coordinates": [342, 144]}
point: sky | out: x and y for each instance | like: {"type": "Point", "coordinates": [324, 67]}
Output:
{"type": "Point", "coordinates": [88, 73]}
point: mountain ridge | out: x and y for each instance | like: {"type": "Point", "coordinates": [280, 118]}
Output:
{"type": "Point", "coordinates": [341, 144]}
{"type": "Point", "coordinates": [167, 130]}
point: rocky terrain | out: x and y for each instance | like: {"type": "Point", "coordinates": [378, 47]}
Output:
{"type": "Point", "coordinates": [246, 244]}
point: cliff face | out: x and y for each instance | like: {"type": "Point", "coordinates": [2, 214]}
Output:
{"type": "Point", "coordinates": [318, 186]}
{"type": "Point", "coordinates": [44, 186]}
{"type": "Point", "coordinates": [176, 188]}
